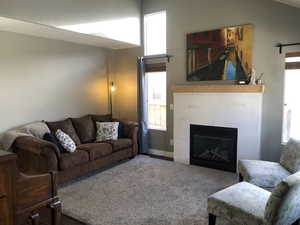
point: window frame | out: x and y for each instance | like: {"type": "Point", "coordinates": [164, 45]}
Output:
{"type": "Point", "coordinates": [288, 66]}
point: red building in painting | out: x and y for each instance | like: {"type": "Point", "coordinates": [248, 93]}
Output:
{"type": "Point", "coordinates": [204, 48]}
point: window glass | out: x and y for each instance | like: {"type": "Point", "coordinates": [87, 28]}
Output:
{"type": "Point", "coordinates": [157, 100]}
{"type": "Point", "coordinates": [155, 33]}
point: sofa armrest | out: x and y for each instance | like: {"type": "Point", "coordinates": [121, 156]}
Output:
{"type": "Point", "coordinates": [36, 156]}
{"type": "Point", "coordinates": [131, 130]}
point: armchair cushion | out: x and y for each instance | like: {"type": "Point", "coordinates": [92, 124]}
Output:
{"type": "Point", "coordinates": [242, 204]}
{"type": "Point", "coordinates": [262, 173]}
{"type": "Point", "coordinates": [290, 156]}
{"type": "Point", "coordinates": [85, 128]}
{"type": "Point", "coordinates": [67, 127]}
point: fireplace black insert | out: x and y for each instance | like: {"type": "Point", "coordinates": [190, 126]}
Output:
{"type": "Point", "coordinates": [213, 147]}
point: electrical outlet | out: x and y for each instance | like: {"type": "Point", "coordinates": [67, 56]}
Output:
{"type": "Point", "coordinates": [171, 142]}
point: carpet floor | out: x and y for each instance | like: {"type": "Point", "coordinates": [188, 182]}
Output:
{"type": "Point", "coordinates": [145, 191]}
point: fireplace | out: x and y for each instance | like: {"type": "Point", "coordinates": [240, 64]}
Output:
{"type": "Point", "coordinates": [213, 147]}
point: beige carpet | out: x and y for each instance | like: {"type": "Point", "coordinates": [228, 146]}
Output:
{"type": "Point", "coordinates": [144, 191]}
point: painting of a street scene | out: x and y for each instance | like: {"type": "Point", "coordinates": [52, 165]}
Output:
{"type": "Point", "coordinates": [223, 54]}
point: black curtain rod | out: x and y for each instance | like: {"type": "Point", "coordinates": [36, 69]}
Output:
{"type": "Point", "coordinates": [280, 46]}
{"type": "Point", "coordinates": [158, 57]}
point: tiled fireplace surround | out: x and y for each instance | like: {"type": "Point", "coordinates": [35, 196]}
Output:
{"type": "Point", "coordinates": [229, 106]}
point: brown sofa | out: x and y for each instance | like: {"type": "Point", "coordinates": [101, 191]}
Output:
{"type": "Point", "coordinates": [39, 156]}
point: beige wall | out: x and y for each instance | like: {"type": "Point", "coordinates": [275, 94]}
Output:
{"type": "Point", "coordinates": [123, 72]}
{"type": "Point", "coordinates": [43, 79]}
{"type": "Point", "coordinates": [273, 23]}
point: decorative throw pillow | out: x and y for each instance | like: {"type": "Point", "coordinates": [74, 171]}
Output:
{"type": "Point", "coordinates": [51, 138]}
{"type": "Point", "coordinates": [107, 131]}
{"type": "Point", "coordinates": [121, 130]}
{"type": "Point", "coordinates": [65, 141]}
{"type": "Point", "coordinates": [290, 156]}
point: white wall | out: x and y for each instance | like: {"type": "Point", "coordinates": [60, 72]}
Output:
{"type": "Point", "coordinates": [42, 79]}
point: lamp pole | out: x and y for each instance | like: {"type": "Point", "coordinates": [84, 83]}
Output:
{"type": "Point", "coordinates": [111, 90]}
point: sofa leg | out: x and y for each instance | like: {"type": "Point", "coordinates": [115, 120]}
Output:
{"type": "Point", "coordinates": [211, 219]}
{"type": "Point", "coordinates": [240, 177]}
{"type": "Point", "coordinates": [296, 223]}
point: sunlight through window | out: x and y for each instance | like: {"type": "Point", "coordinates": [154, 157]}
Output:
{"type": "Point", "coordinates": [291, 114]}
{"type": "Point", "coordinates": [155, 33]}
{"type": "Point", "coordinates": [127, 29]}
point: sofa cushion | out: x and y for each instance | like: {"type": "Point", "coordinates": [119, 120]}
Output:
{"type": "Point", "coordinates": [120, 144]}
{"type": "Point", "coordinates": [283, 206]}
{"type": "Point", "coordinates": [264, 174]}
{"type": "Point", "coordinates": [96, 150]}
{"type": "Point", "coordinates": [85, 129]}
{"type": "Point", "coordinates": [70, 160]}
{"type": "Point", "coordinates": [242, 203]}
{"type": "Point", "coordinates": [290, 156]}
{"type": "Point", "coordinates": [101, 118]}
{"type": "Point", "coordinates": [67, 127]}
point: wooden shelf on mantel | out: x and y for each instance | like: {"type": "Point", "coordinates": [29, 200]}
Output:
{"type": "Point", "coordinates": [218, 88]}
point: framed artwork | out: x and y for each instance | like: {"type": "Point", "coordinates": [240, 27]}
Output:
{"type": "Point", "coordinates": [222, 54]}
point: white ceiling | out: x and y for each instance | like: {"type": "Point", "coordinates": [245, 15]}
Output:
{"type": "Point", "coordinates": [34, 29]}
{"type": "Point", "coordinates": [295, 3]}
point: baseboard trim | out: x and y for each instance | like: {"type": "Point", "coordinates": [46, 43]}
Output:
{"type": "Point", "coordinates": [160, 153]}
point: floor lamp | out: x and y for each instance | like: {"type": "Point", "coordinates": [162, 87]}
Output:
{"type": "Point", "coordinates": [111, 90]}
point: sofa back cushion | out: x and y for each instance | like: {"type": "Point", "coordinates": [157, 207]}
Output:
{"type": "Point", "coordinates": [101, 118]}
{"type": "Point", "coordinates": [290, 156]}
{"type": "Point", "coordinates": [85, 129]}
{"type": "Point", "coordinates": [67, 127]}
{"type": "Point", "coordinates": [283, 206]}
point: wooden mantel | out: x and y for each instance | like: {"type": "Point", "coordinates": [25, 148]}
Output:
{"type": "Point", "coordinates": [218, 88]}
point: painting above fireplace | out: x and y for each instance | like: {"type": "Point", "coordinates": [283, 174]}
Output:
{"type": "Point", "coordinates": [221, 54]}
{"type": "Point", "coordinates": [213, 147]}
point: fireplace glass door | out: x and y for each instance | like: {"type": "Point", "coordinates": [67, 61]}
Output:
{"type": "Point", "coordinates": [213, 147]}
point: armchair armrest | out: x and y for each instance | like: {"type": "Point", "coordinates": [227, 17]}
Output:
{"type": "Point", "coordinates": [131, 130]}
{"type": "Point", "coordinates": [36, 155]}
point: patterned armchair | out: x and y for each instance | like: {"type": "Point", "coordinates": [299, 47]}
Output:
{"type": "Point", "coordinates": [268, 174]}
{"type": "Point", "coordinates": [247, 204]}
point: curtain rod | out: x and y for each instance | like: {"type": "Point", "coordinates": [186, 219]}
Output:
{"type": "Point", "coordinates": [280, 46]}
{"type": "Point", "coordinates": [158, 57]}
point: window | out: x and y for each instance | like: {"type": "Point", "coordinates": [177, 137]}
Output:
{"type": "Point", "coordinates": [155, 33]}
{"type": "Point", "coordinates": [156, 76]}
{"type": "Point", "coordinates": [291, 111]}
{"type": "Point", "coordinates": [157, 100]}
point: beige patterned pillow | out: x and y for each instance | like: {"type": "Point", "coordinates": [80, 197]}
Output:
{"type": "Point", "coordinates": [107, 131]}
